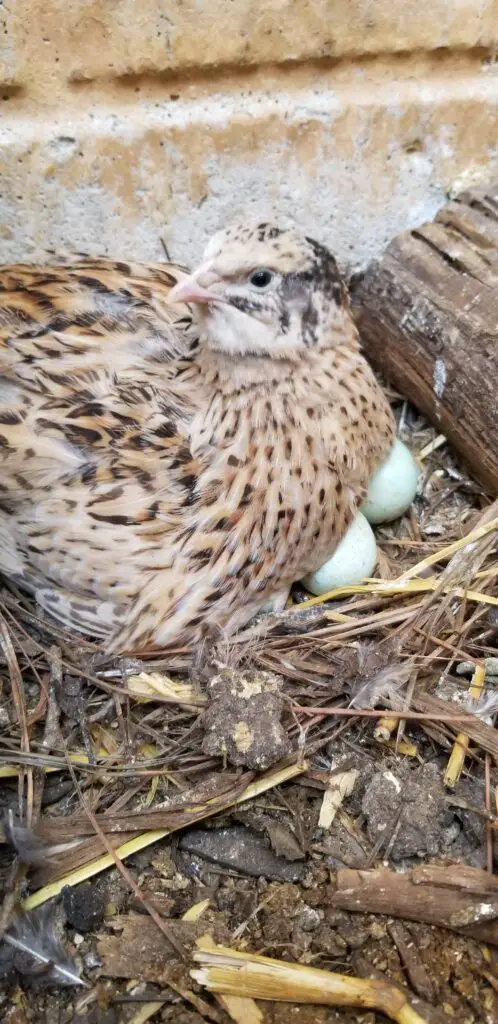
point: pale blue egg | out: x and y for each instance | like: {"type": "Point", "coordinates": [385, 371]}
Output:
{"type": "Point", "coordinates": [393, 487]}
{"type": "Point", "coordinates": [353, 559]}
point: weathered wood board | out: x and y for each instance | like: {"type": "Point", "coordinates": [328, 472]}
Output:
{"type": "Point", "coordinates": [427, 312]}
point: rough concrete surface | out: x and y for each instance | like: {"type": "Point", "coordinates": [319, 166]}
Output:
{"type": "Point", "coordinates": [126, 120]}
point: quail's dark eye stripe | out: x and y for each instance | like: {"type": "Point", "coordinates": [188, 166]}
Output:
{"type": "Point", "coordinates": [246, 303]}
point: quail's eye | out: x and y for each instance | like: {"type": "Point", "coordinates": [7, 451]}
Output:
{"type": "Point", "coordinates": [261, 278]}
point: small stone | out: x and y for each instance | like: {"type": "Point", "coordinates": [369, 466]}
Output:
{"type": "Point", "coordinates": [164, 865]}
{"type": "Point", "coordinates": [467, 668]}
{"type": "Point", "coordinates": [240, 849]}
{"type": "Point", "coordinates": [83, 906]}
{"type": "Point", "coordinates": [301, 939]}
{"type": "Point", "coordinates": [92, 960]}
{"type": "Point", "coordinates": [335, 917]}
{"type": "Point", "coordinates": [355, 934]}
{"type": "Point", "coordinates": [308, 919]}
{"type": "Point", "coordinates": [377, 930]}
{"type": "Point", "coordinates": [326, 940]}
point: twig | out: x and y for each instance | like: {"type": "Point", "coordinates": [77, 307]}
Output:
{"type": "Point", "coordinates": [52, 738]}
{"type": "Point", "coordinates": [123, 870]}
{"type": "Point", "coordinates": [417, 716]}
{"type": "Point", "coordinates": [489, 829]}
{"type": "Point", "coordinates": [18, 695]}
{"type": "Point", "coordinates": [415, 969]}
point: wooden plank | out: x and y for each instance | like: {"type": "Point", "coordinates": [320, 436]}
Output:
{"type": "Point", "coordinates": [427, 312]}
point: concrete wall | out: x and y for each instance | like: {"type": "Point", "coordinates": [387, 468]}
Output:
{"type": "Point", "coordinates": [122, 121]}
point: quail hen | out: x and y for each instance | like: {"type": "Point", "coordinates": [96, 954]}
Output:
{"type": "Point", "coordinates": [176, 449]}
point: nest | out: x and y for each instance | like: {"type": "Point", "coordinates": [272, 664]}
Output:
{"type": "Point", "coordinates": [123, 739]}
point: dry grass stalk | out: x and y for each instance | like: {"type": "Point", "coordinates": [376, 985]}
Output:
{"type": "Point", "coordinates": [461, 744]}
{"type": "Point", "coordinates": [241, 1009]}
{"type": "Point", "coordinates": [232, 972]}
{"type": "Point", "coordinates": [433, 709]}
{"type": "Point", "coordinates": [339, 787]}
{"type": "Point", "coordinates": [146, 1011]}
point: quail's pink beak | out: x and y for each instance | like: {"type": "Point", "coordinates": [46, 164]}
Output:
{"type": "Point", "coordinates": [196, 288]}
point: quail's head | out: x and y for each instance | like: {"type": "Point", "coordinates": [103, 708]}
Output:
{"type": "Point", "coordinates": [265, 291]}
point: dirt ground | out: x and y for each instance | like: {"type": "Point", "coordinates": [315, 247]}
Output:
{"type": "Point", "coordinates": [266, 871]}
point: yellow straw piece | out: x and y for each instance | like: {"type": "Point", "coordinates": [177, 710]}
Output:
{"type": "Point", "coordinates": [404, 747]}
{"type": "Point", "coordinates": [146, 1011]}
{"type": "Point", "coordinates": [431, 447]}
{"type": "Point", "coordinates": [335, 616]}
{"type": "Point", "coordinates": [229, 972]}
{"type": "Point", "coordinates": [140, 842]}
{"type": "Point", "coordinates": [385, 726]}
{"type": "Point", "coordinates": [446, 552]}
{"type": "Point", "coordinates": [196, 911]}
{"type": "Point", "coordinates": [239, 1008]}
{"type": "Point", "coordinates": [461, 745]}
{"type": "Point", "coordinates": [94, 867]}
{"type": "Point", "coordinates": [11, 771]}
{"type": "Point", "coordinates": [241, 1011]}
{"type": "Point", "coordinates": [403, 585]}
{"type": "Point", "coordinates": [150, 685]}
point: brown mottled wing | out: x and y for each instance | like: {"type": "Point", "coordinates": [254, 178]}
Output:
{"type": "Point", "coordinates": [93, 316]}
{"type": "Point", "coordinates": [96, 386]}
